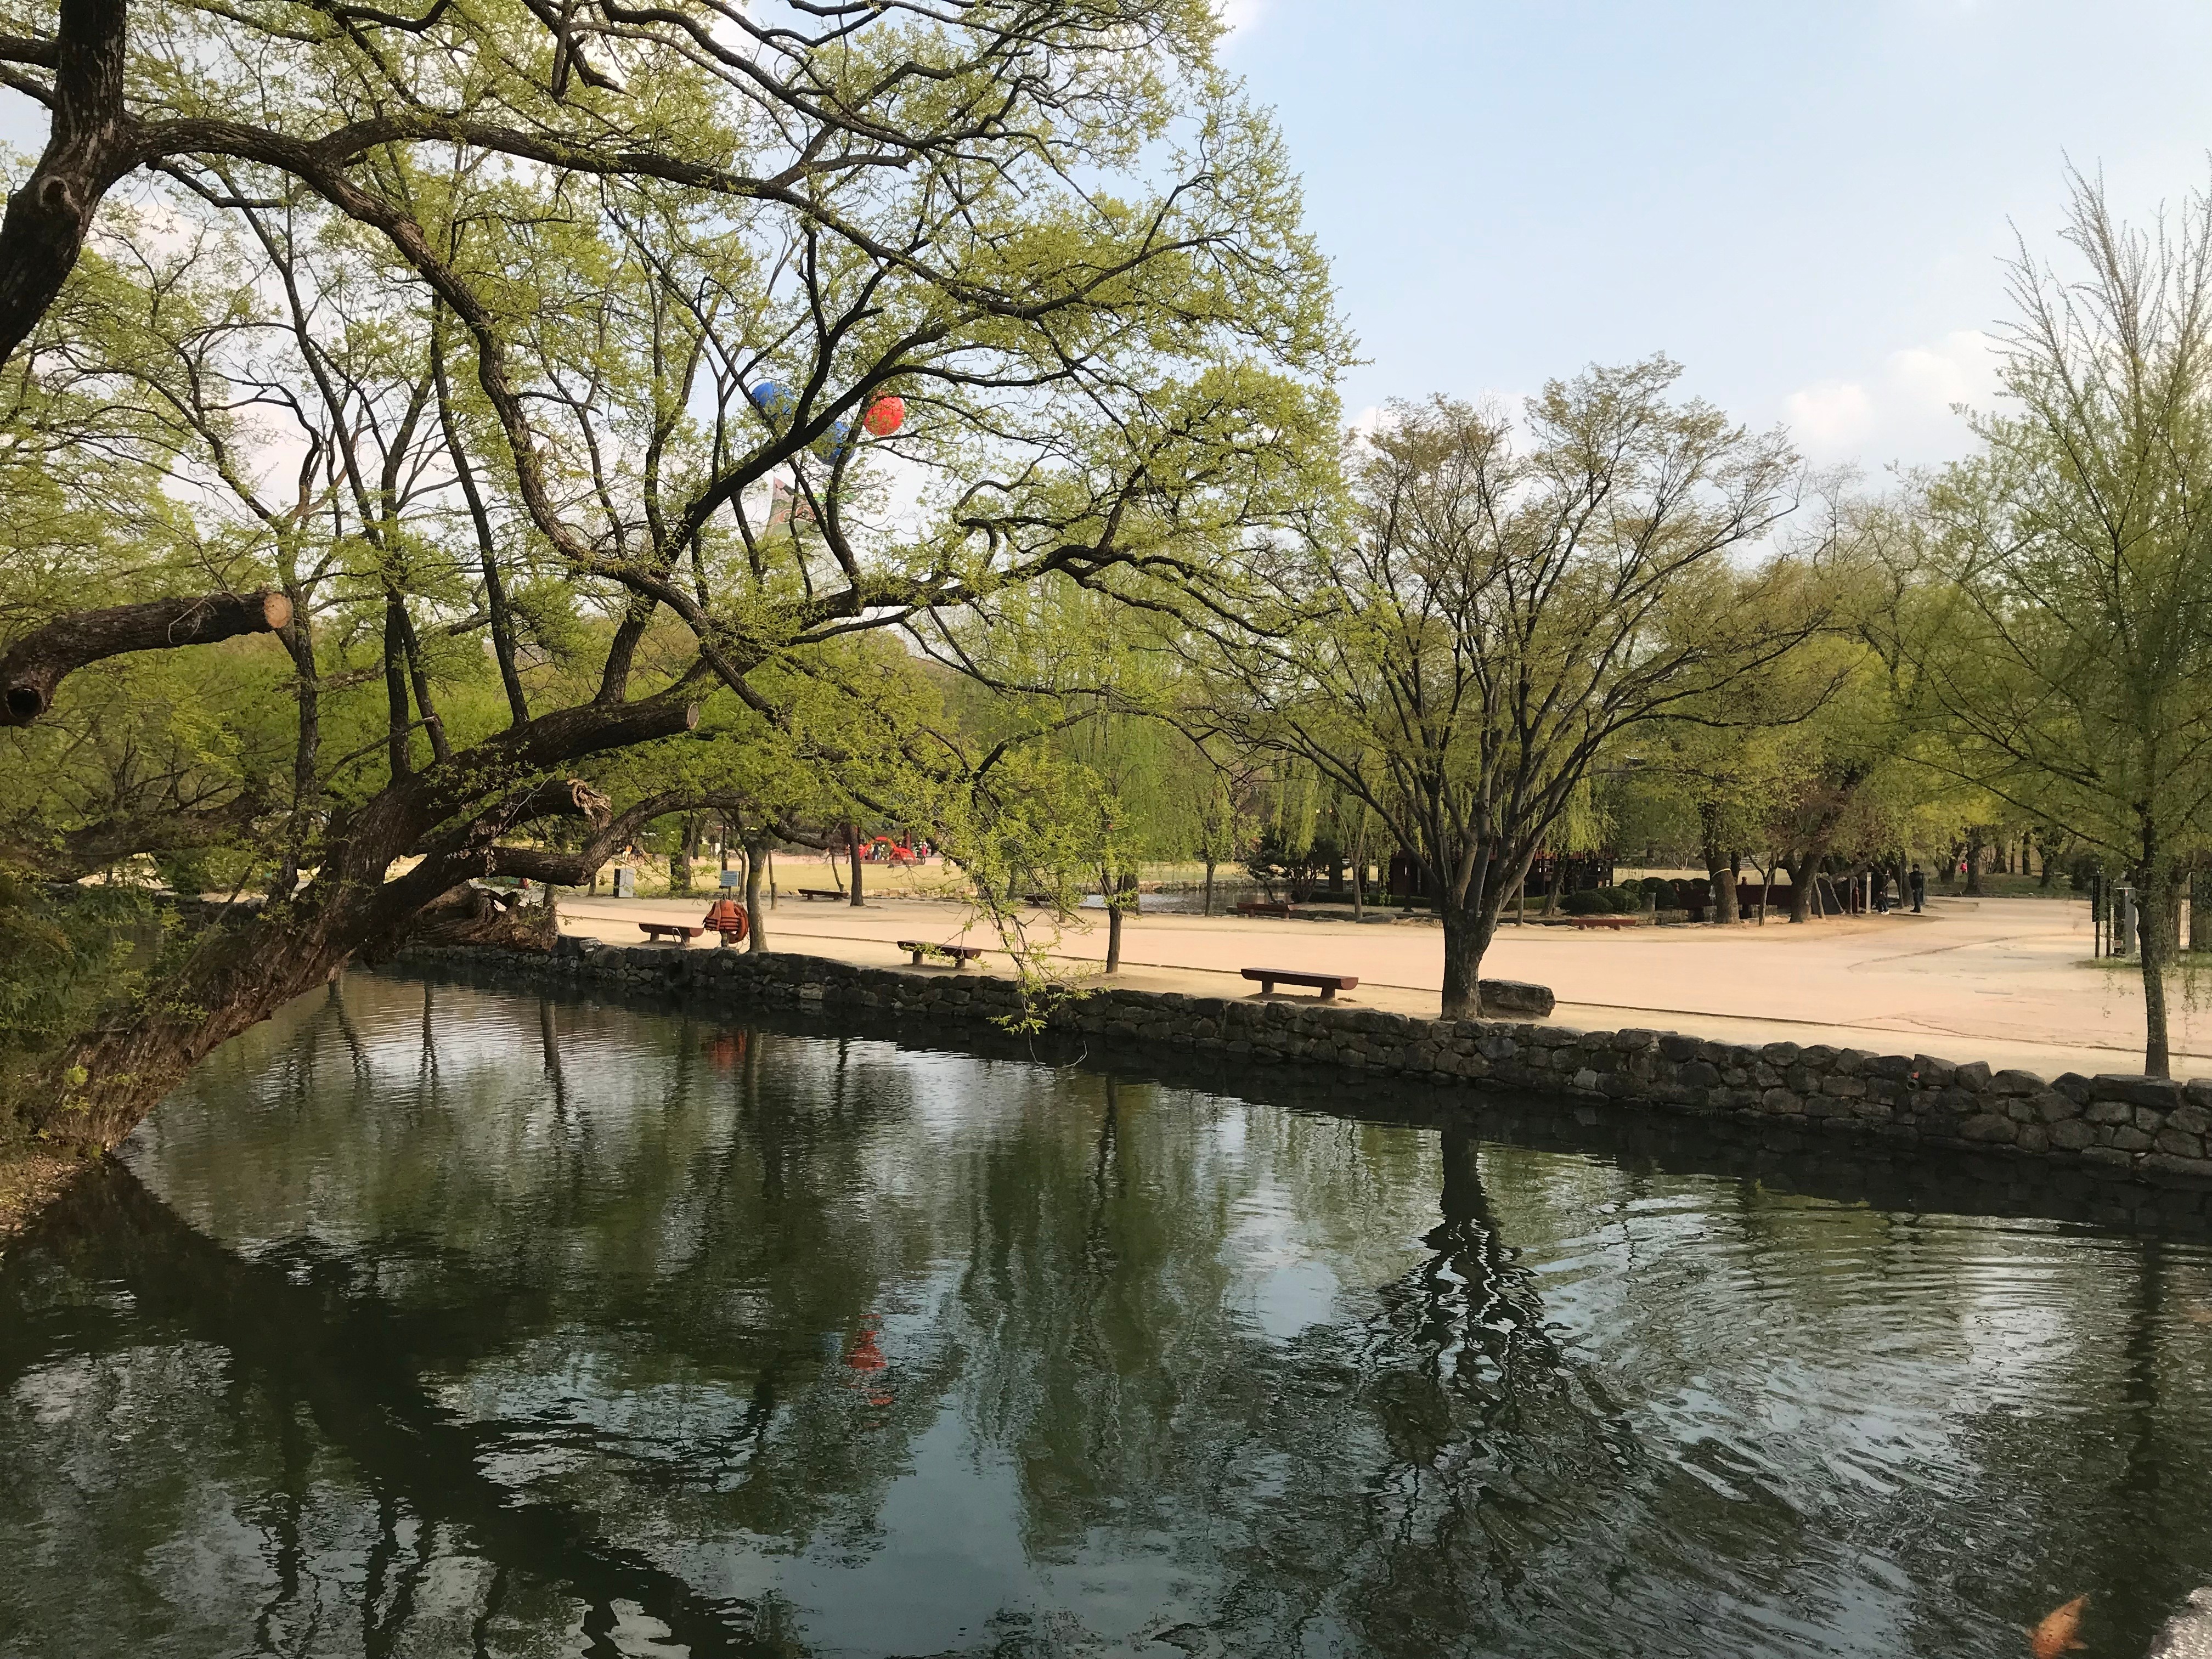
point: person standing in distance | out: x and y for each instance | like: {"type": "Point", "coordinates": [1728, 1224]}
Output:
{"type": "Point", "coordinates": [1919, 881]}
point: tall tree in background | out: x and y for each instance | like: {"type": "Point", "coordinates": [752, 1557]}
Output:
{"type": "Point", "coordinates": [1490, 617]}
{"type": "Point", "coordinates": [2073, 664]}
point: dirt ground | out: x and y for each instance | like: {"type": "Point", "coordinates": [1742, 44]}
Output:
{"type": "Point", "coordinates": [28, 1180]}
{"type": "Point", "coordinates": [2006, 981]}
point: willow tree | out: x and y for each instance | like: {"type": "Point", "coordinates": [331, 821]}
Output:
{"type": "Point", "coordinates": [577, 329]}
{"type": "Point", "coordinates": [2073, 664]}
{"type": "Point", "coordinates": [1488, 618]}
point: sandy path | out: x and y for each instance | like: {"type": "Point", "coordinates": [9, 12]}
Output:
{"type": "Point", "coordinates": [2001, 980]}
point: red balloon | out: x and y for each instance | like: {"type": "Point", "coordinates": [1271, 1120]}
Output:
{"type": "Point", "coordinates": [885, 416]}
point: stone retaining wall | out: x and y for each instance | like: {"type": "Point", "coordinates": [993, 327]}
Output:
{"type": "Point", "coordinates": [2145, 1126]}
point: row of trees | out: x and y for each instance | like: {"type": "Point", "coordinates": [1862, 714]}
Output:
{"type": "Point", "coordinates": [434, 449]}
{"type": "Point", "coordinates": [1505, 630]}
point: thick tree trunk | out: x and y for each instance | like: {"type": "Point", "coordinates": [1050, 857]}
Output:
{"type": "Point", "coordinates": [853, 843]}
{"type": "Point", "coordinates": [756, 870]}
{"type": "Point", "coordinates": [88, 147]}
{"type": "Point", "coordinates": [244, 970]}
{"type": "Point", "coordinates": [1206, 909]}
{"type": "Point", "coordinates": [1800, 889]}
{"type": "Point", "coordinates": [241, 973]}
{"type": "Point", "coordinates": [1716, 867]}
{"type": "Point", "coordinates": [1466, 939]}
{"type": "Point", "coordinates": [1973, 864]}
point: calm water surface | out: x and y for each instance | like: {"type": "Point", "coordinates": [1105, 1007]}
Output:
{"type": "Point", "coordinates": [450, 1321]}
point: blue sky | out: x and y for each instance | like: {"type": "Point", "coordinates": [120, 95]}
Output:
{"type": "Point", "coordinates": [1805, 204]}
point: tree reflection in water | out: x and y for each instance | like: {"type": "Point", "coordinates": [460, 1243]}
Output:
{"type": "Point", "coordinates": [533, 1326]}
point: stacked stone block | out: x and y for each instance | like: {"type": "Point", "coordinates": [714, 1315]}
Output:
{"type": "Point", "coordinates": [2147, 1126]}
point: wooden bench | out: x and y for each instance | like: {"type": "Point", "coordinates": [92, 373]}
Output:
{"type": "Point", "coordinates": [962, 955]}
{"type": "Point", "coordinates": [658, 931]}
{"type": "Point", "coordinates": [820, 892]}
{"type": "Point", "coordinates": [1264, 907]}
{"type": "Point", "coordinates": [1327, 984]}
{"type": "Point", "coordinates": [1606, 921]}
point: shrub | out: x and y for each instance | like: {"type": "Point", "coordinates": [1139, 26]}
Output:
{"type": "Point", "coordinates": [1625, 900]}
{"type": "Point", "coordinates": [190, 872]}
{"type": "Point", "coordinates": [1592, 904]}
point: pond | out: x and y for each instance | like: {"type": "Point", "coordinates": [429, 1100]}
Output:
{"type": "Point", "coordinates": [442, 1319]}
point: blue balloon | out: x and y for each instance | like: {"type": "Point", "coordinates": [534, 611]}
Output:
{"type": "Point", "coordinates": [772, 399]}
{"type": "Point", "coordinates": [831, 444]}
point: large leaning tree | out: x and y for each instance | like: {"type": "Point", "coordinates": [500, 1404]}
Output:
{"type": "Point", "coordinates": [1493, 616]}
{"type": "Point", "coordinates": [416, 415]}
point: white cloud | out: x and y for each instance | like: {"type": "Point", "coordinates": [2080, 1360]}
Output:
{"type": "Point", "coordinates": [1904, 413]}
{"type": "Point", "coordinates": [1958, 371]}
{"type": "Point", "coordinates": [1829, 416]}
{"type": "Point", "coordinates": [1237, 15]}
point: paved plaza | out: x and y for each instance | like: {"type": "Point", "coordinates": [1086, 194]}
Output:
{"type": "Point", "coordinates": [2005, 981]}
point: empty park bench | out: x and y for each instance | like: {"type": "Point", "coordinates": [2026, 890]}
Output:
{"type": "Point", "coordinates": [1606, 921]}
{"type": "Point", "coordinates": [658, 931]}
{"type": "Point", "coordinates": [1264, 907]}
{"type": "Point", "coordinates": [821, 892]}
{"type": "Point", "coordinates": [1327, 984]}
{"type": "Point", "coordinates": [962, 955]}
